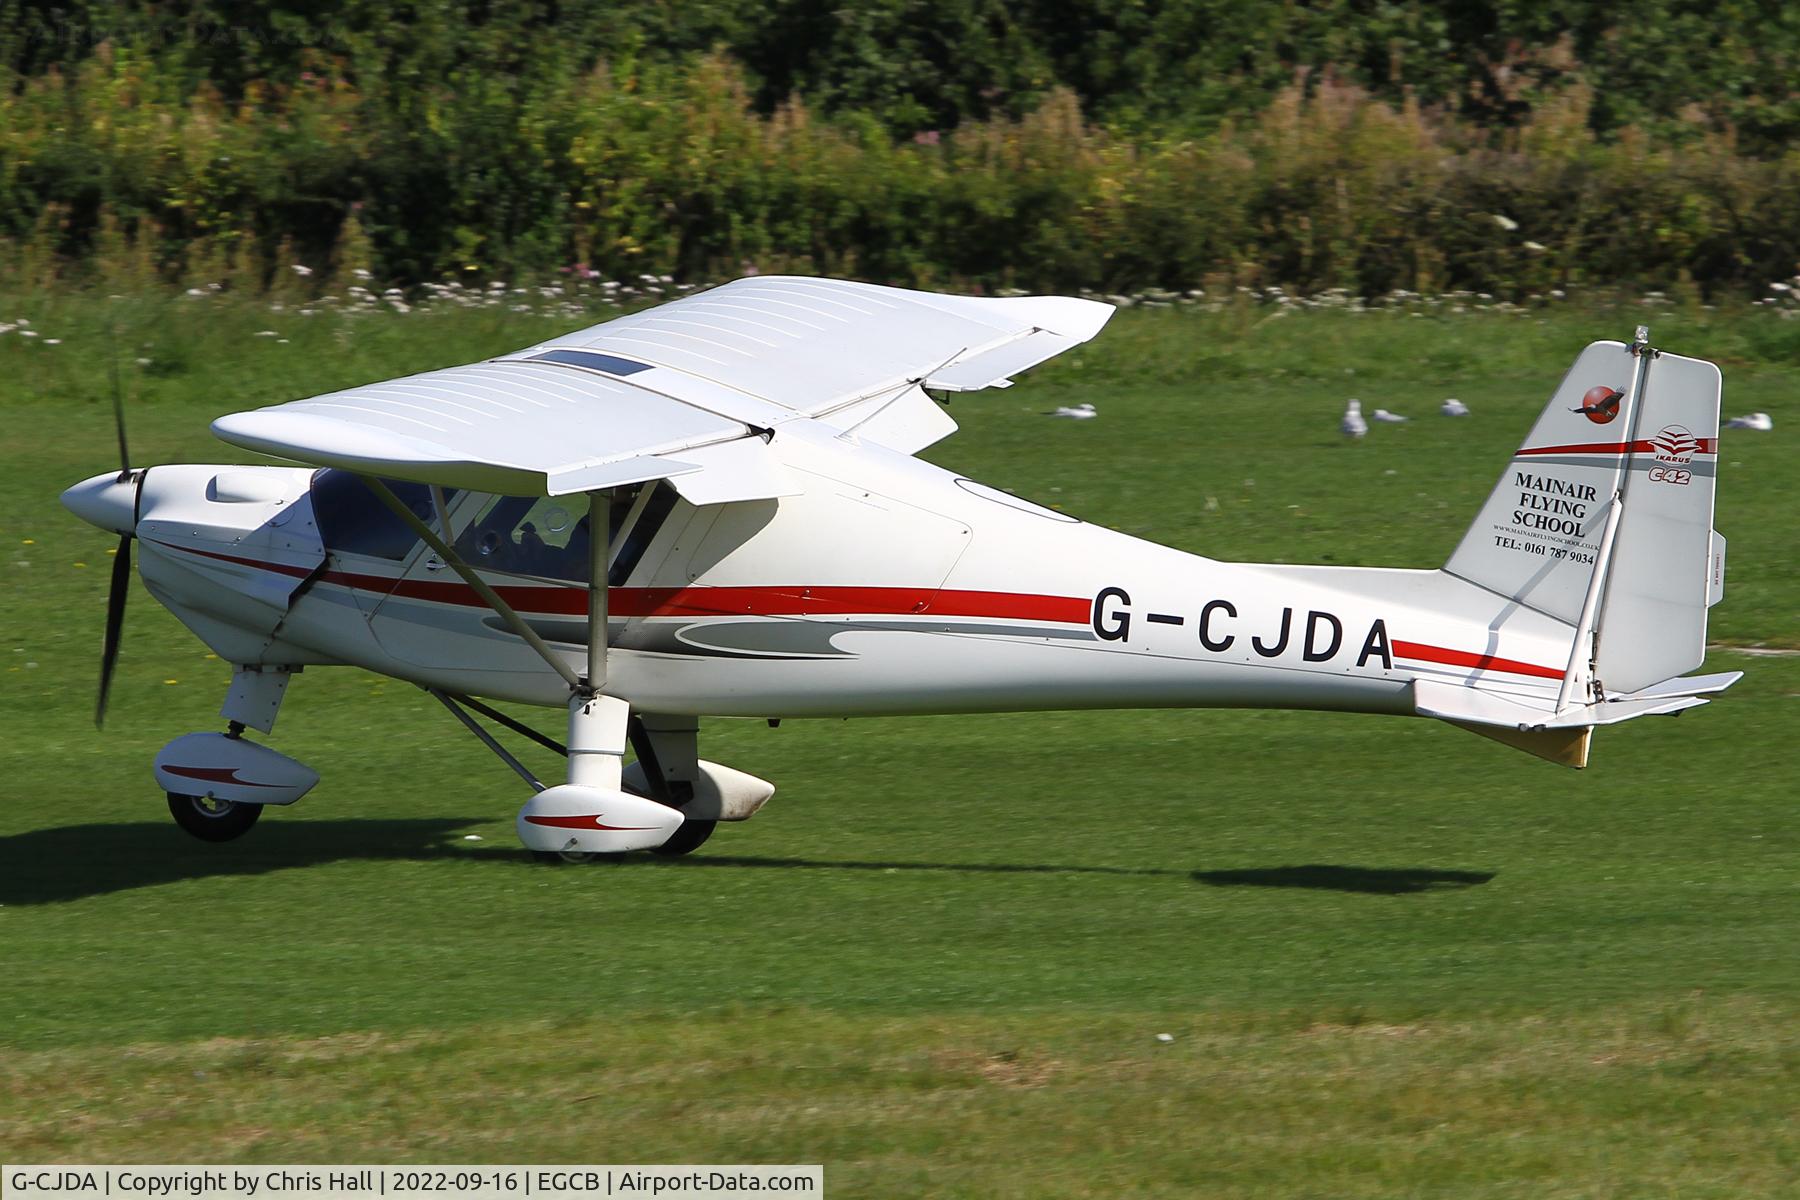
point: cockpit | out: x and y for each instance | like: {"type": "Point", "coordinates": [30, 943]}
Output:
{"type": "Point", "coordinates": [547, 537]}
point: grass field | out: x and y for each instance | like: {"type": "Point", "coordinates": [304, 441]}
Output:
{"type": "Point", "coordinates": [1394, 959]}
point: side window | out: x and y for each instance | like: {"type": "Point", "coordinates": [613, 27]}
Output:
{"type": "Point", "coordinates": [548, 536]}
{"type": "Point", "coordinates": [627, 553]}
{"type": "Point", "coordinates": [529, 535]}
{"type": "Point", "coordinates": [353, 520]}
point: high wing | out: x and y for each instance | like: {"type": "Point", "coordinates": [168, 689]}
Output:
{"type": "Point", "coordinates": [690, 391]}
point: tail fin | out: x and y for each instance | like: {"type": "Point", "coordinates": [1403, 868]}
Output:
{"type": "Point", "coordinates": [1616, 478]}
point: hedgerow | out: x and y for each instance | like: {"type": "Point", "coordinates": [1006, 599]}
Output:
{"type": "Point", "coordinates": [510, 157]}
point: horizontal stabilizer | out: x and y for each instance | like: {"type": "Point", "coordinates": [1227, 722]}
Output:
{"type": "Point", "coordinates": [1611, 712]}
{"type": "Point", "coordinates": [1690, 685]}
{"type": "Point", "coordinates": [1537, 728]}
{"type": "Point", "coordinates": [1472, 706]}
{"type": "Point", "coordinates": [1467, 705]}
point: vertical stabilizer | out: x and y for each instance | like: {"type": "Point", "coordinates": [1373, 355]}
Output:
{"type": "Point", "coordinates": [1630, 440]}
{"type": "Point", "coordinates": [1537, 538]}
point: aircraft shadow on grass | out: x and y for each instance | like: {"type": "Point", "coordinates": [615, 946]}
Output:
{"type": "Point", "coordinates": [1379, 881]}
{"type": "Point", "coordinates": [839, 864]}
{"type": "Point", "coordinates": [1383, 881]}
{"type": "Point", "coordinates": [51, 866]}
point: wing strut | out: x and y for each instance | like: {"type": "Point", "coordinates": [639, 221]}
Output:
{"type": "Point", "coordinates": [486, 738]}
{"type": "Point", "coordinates": [599, 554]}
{"type": "Point", "coordinates": [513, 620]}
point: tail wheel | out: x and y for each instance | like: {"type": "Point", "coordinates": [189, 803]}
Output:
{"type": "Point", "coordinates": [687, 839]}
{"type": "Point", "coordinates": [213, 820]}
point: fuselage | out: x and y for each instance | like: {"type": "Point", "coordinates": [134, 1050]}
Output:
{"type": "Point", "coordinates": [887, 585]}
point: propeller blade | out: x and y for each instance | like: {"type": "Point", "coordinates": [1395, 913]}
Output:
{"type": "Point", "coordinates": [115, 623]}
{"type": "Point", "coordinates": [118, 398]}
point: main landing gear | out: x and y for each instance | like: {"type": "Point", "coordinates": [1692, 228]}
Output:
{"type": "Point", "coordinates": [595, 812]}
{"type": "Point", "coordinates": [668, 802]}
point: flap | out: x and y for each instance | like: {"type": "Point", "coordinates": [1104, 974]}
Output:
{"type": "Point", "coordinates": [742, 470]}
{"type": "Point", "coordinates": [907, 422]}
{"type": "Point", "coordinates": [614, 474]}
{"type": "Point", "coordinates": [993, 367]}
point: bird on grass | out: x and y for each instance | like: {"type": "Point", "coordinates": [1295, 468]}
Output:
{"type": "Point", "coordinates": [1080, 412]}
{"type": "Point", "coordinates": [1353, 424]}
{"type": "Point", "coordinates": [1454, 408]}
{"type": "Point", "coordinates": [1382, 414]}
{"type": "Point", "coordinates": [1760, 422]}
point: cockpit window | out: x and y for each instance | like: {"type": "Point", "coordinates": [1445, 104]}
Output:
{"type": "Point", "coordinates": [629, 551]}
{"type": "Point", "coordinates": [548, 536]}
{"type": "Point", "coordinates": [353, 520]}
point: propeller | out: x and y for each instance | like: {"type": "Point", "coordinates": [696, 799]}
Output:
{"type": "Point", "coordinates": [121, 570]}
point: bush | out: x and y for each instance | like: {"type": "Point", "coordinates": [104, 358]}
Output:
{"type": "Point", "coordinates": [454, 169]}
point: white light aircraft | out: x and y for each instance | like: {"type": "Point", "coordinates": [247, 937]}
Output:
{"type": "Point", "coordinates": [726, 486]}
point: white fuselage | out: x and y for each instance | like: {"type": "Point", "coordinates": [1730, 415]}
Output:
{"type": "Point", "coordinates": [888, 585]}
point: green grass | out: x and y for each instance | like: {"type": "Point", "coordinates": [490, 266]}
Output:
{"type": "Point", "coordinates": [1395, 959]}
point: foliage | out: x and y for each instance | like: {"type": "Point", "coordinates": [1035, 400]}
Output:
{"type": "Point", "coordinates": [1499, 147]}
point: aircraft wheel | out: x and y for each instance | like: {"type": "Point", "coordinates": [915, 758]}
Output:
{"type": "Point", "coordinates": [557, 858]}
{"type": "Point", "coordinates": [213, 820]}
{"type": "Point", "coordinates": [687, 839]}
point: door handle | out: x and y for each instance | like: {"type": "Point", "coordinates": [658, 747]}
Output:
{"type": "Point", "coordinates": [434, 563]}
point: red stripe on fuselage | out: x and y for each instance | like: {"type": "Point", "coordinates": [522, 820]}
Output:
{"type": "Point", "coordinates": [780, 600]}
{"type": "Point", "coordinates": [1702, 446]}
{"type": "Point", "coordinates": [1479, 662]}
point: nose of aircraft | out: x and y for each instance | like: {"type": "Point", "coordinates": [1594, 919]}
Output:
{"type": "Point", "coordinates": [106, 501]}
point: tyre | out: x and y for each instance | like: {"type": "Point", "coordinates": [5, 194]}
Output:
{"type": "Point", "coordinates": [213, 820]}
{"type": "Point", "coordinates": [559, 857]}
{"type": "Point", "coordinates": [687, 839]}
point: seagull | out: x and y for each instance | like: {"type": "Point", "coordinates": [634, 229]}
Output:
{"type": "Point", "coordinates": [1081, 412]}
{"type": "Point", "coordinates": [1757, 421]}
{"type": "Point", "coordinates": [1353, 424]}
{"type": "Point", "coordinates": [1382, 414]}
{"type": "Point", "coordinates": [1454, 408]}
